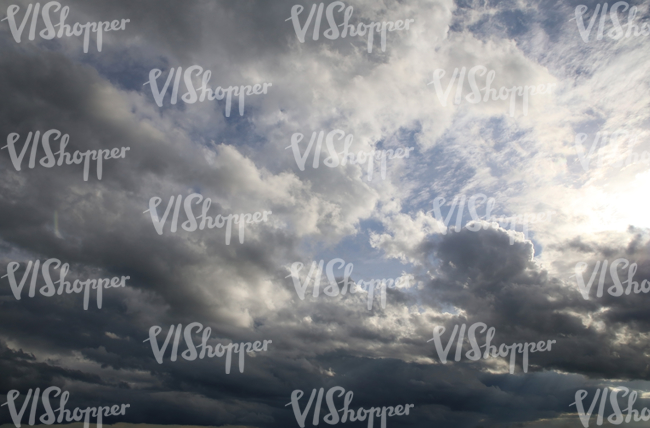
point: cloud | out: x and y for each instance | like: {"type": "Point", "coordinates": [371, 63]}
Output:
{"type": "Point", "coordinates": [385, 227]}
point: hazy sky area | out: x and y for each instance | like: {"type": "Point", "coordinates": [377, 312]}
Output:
{"type": "Point", "coordinates": [550, 178]}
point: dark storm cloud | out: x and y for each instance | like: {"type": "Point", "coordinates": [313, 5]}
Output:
{"type": "Point", "coordinates": [498, 284]}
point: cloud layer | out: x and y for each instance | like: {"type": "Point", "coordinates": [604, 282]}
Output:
{"type": "Point", "coordinates": [521, 282]}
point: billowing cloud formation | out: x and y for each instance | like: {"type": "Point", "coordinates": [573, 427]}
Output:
{"type": "Point", "coordinates": [523, 284]}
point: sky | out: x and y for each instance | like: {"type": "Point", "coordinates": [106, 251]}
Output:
{"type": "Point", "coordinates": [550, 186]}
